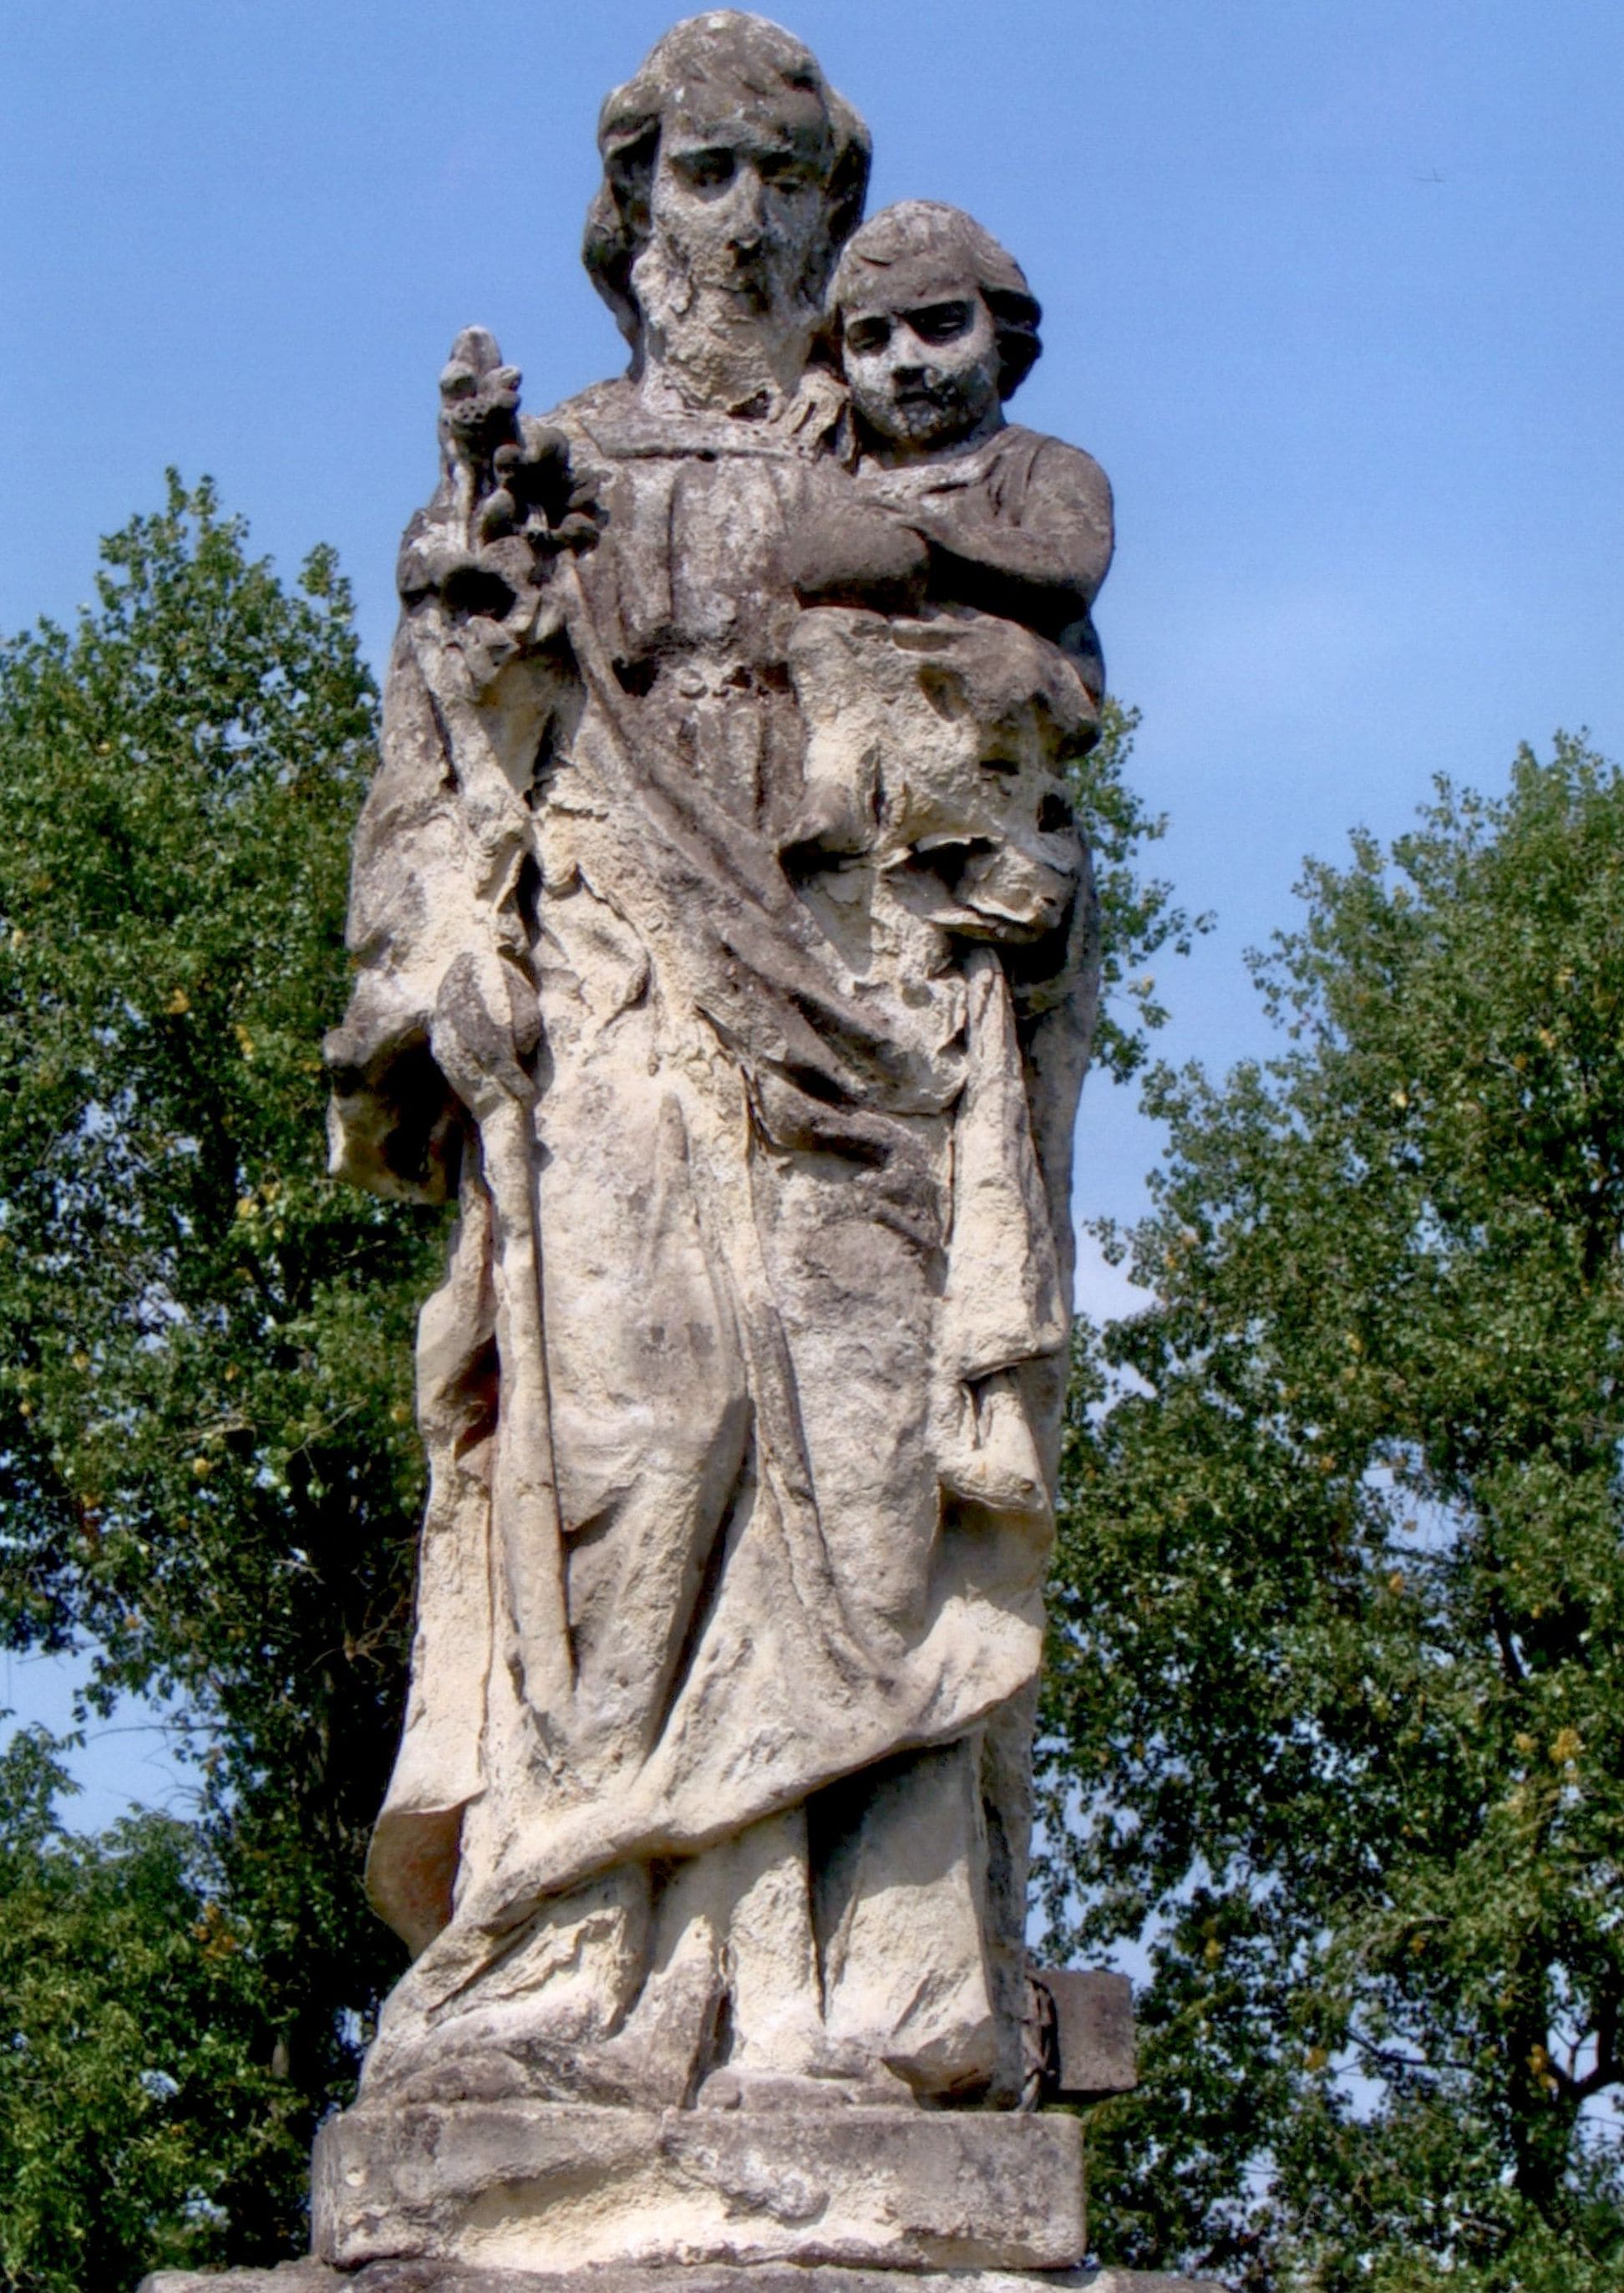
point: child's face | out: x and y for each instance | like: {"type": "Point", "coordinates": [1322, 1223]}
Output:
{"type": "Point", "coordinates": [920, 354]}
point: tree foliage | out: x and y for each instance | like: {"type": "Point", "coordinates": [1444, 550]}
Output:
{"type": "Point", "coordinates": [1139, 918]}
{"type": "Point", "coordinates": [1335, 1709]}
{"type": "Point", "coordinates": [138, 2111]}
{"type": "Point", "coordinates": [208, 1476]}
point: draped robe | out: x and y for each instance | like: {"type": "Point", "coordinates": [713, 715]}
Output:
{"type": "Point", "coordinates": [761, 1179]}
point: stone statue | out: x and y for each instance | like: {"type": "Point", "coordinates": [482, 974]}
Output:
{"type": "Point", "coordinates": [726, 945]}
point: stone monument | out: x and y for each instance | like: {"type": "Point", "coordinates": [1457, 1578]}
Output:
{"type": "Point", "coordinates": [726, 948]}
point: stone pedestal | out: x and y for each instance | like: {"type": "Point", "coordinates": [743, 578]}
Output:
{"type": "Point", "coordinates": [552, 2187]}
{"type": "Point", "coordinates": [532, 2197]}
{"type": "Point", "coordinates": [781, 2277]}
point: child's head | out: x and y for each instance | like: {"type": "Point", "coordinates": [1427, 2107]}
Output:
{"type": "Point", "coordinates": [936, 324]}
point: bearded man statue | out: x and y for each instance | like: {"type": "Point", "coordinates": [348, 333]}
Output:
{"type": "Point", "coordinates": [741, 1393]}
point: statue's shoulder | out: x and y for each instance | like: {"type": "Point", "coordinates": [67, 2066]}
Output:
{"type": "Point", "coordinates": [597, 417]}
{"type": "Point", "coordinates": [613, 422]}
{"type": "Point", "coordinates": [1032, 462]}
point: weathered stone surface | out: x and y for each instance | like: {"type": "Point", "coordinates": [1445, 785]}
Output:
{"type": "Point", "coordinates": [1094, 2052]}
{"type": "Point", "coordinates": [286, 2277]}
{"type": "Point", "coordinates": [541, 2186]}
{"type": "Point", "coordinates": [726, 947]}
{"type": "Point", "coordinates": [726, 943]}
{"type": "Point", "coordinates": [458, 2277]}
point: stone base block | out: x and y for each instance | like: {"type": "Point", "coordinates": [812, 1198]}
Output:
{"type": "Point", "coordinates": [458, 2277]}
{"type": "Point", "coordinates": [552, 2187]}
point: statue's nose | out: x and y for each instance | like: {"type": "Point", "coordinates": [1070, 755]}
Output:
{"type": "Point", "coordinates": [749, 205]}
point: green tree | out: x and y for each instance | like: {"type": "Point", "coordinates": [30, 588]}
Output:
{"type": "Point", "coordinates": [208, 1476]}
{"type": "Point", "coordinates": [1335, 1710]}
{"type": "Point", "coordinates": [1139, 918]}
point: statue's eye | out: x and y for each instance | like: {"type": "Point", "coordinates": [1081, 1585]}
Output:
{"type": "Point", "coordinates": [705, 170]}
{"type": "Point", "coordinates": [865, 336]}
{"type": "Point", "coordinates": [786, 171]}
{"type": "Point", "coordinates": [941, 322]}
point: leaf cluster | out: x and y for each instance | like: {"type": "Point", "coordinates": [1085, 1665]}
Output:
{"type": "Point", "coordinates": [137, 2113]}
{"type": "Point", "coordinates": [1139, 918]}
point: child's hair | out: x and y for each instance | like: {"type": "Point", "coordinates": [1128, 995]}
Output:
{"type": "Point", "coordinates": [915, 227]}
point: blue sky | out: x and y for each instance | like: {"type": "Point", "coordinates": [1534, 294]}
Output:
{"type": "Point", "coordinates": [1332, 287]}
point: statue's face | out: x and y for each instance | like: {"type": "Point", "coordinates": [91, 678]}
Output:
{"type": "Point", "coordinates": [738, 201]}
{"type": "Point", "coordinates": [920, 352]}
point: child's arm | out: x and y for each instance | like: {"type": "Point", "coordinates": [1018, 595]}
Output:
{"type": "Point", "coordinates": [1038, 558]}
{"type": "Point", "coordinates": [845, 550]}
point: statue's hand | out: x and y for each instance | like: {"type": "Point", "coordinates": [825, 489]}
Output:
{"type": "Point", "coordinates": [510, 502]}
{"type": "Point", "coordinates": [553, 507]}
{"type": "Point", "coordinates": [391, 1121]}
{"type": "Point", "coordinates": [436, 561]}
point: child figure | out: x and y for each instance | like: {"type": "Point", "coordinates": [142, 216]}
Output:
{"type": "Point", "coordinates": [937, 329]}
{"type": "Point", "coordinates": [936, 840]}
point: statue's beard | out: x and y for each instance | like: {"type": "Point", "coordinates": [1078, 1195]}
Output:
{"type": "Point", "coordinates": [723, 333]}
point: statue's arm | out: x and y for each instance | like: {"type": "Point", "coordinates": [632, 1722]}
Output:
{"type": "Point", "coordinates": [1037, 555]}
{"type": "Point", "coordinates": [1039, 560]}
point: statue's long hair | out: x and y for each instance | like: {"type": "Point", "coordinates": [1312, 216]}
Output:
{"type": "Point", "coordinates": [749, 57]}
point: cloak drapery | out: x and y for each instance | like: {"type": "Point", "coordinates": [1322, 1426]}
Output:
{"type": "Point", "coordinates": [761, 1246]}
